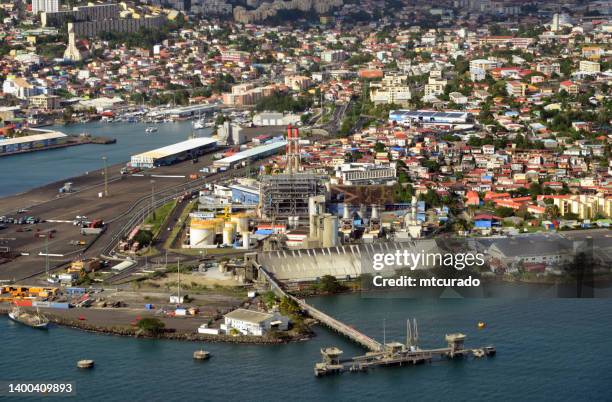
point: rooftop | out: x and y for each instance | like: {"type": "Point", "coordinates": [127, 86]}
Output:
{"type": "Point", "coordinates": [176, 148]}
{"type": "Point", "coordinates": [31, 138]}
{"type": "Point", "coordinates": [251, 316]}
{"type": "Point", "coordinates": [253, 152]}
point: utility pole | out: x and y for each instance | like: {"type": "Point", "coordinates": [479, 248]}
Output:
{"type": "Point", "coordinates": [104, 158]}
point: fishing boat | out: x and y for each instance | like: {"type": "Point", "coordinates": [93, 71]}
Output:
{"type": "Point", "coordinates": [34, 320]}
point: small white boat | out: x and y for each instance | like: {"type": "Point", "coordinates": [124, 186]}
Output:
{"type": "Point", "coordinates": [199, 124]}
{"type": "Point", "coordinates": [150, 129]}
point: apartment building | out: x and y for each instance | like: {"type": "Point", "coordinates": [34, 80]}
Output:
{"type": "Point", "coordinates": [391, 89]}
{"type": "Point", "coordinates": [590, 67]}
{"type": "Point", "coordinates": [94, 12]}
{"type": "Point", "coordinates": [585, 206]}
{"type": "Point", "coordinates": [39, 6]}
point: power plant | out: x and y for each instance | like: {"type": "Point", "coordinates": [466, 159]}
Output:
{"type": "Point", "coordinates": [286, 195]}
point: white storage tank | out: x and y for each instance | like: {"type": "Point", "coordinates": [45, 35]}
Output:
{"type": "Point", "coordinates": [201, 233]}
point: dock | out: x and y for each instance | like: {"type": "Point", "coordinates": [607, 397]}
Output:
{"type": "Point", "coordinates": [379, 354]}
{"type": "Point", "coordinates": [325, 319]}
{"type": "Point", "coordinates": [397, 354]}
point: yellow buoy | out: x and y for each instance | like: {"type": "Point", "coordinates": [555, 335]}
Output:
{"type": "Point", "coordinates": [481, 325]}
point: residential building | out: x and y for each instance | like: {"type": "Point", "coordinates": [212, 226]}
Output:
{"type": "Point", "coordinates": [516, 88]}
{"type": "Point", "coordinates": [590, 67]}
{"type": "Point", "coordinates": [47, 102]}
{"type": "Point", "coordinates": [366, 173]}
{"type": "Point", "coordinates": [45, 5]}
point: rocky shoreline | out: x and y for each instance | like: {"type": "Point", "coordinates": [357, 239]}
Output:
{"type": "Point", "coordinates": [169, 334]}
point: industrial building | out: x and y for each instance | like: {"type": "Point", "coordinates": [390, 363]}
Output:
{"type": "Point", "coordinates": [32, 142]}
{"type": "Point", "coordinates": [244, 194]}
{"type": "Point", "coordinates": [250, 154]}
{"type": "Point", "coordinates": [174, 153]}
{"type": "Point", "coordinates": [285, 195]}
{"type": "Point", "coordinates": [426, 116]}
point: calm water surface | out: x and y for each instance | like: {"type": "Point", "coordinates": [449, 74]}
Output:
{"type": "Point", "coordinates": [547, 349]}
{"type": "Point", "coordinates": [19, 173]}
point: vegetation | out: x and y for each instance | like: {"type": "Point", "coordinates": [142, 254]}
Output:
{"type": "Point", "coordinates": [151, 326]}
{"type": "Point", "coordinates": [329, 284]}
{"type": "Point", "coordinates": [282, 102]}
{"type": "Point", "coordinates": [159, 216]}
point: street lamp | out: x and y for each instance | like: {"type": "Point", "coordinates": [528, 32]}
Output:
{"type": "Point", "coordinates": [104, 158]}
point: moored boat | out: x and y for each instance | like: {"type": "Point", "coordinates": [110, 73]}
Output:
{"type": "Point", "coordinates": [34, 320]}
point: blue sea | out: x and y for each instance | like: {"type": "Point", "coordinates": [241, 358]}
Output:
{"type": "Point", "coordinates": [43, 167]}
{"type": "Point", "coordinates": [548, 349]}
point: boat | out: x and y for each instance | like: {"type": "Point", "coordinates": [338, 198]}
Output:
{"type": "Point", "coordinates": [150, 129]}
{"type": "Point", "coordinates": [34, 320]}
{"type": "Point", "coordinates": [199, 124]}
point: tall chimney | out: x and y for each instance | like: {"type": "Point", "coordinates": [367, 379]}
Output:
{"type": "Point", "coordinates": [289, 167]}
{"type": "Point", "coordinates": [296, 149]}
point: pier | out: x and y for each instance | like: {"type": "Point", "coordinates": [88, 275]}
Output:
{"type": "Point", "coordinates": [325, 319]}
{"type": "Point", "coordinates": [380, 354]}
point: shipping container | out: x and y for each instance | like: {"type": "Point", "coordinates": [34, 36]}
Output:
{"type": "Point", "coordinates": [41, 304]}
{"type": "Point", "coordinates": [60, 305]}
{"type": "Point", "coordinates": [23, 303]}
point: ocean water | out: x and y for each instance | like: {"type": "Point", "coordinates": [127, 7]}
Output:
{"type": "Point", "coordinates": [548, 349]}
{"type": "Point", "coordinates": [19, 173]}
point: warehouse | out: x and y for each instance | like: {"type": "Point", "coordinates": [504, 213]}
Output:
{"type": "Point", "coordinates": [32, 142]}
{"type": "Point", "coordinates": [174, 153]}
{"type": "Point", "coordinates": [250, 154]}
{"type": "Point", "coordinates": [427, 116]}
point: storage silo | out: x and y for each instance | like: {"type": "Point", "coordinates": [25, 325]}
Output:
{"type": "Point", "coordinates": [202, 232]}
{"type": "Point", "coordinates": [330, 231]}
{"type": "Point", "coordinates": [228, 233]}
{"type": "Point", "coordinates": [242, 222]}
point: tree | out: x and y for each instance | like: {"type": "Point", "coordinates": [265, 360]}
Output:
{"type": "Point", "coordinates": [379, 147]}
{"type": "Point", "coordinates": [152, 326]}
{"type": "Point", "coordinates": [329, 284]}
{"type": "Point", "coordinates": [144, 237]}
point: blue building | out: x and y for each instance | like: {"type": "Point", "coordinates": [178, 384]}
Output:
{"type": "Point", "coordinates": [244, 194]}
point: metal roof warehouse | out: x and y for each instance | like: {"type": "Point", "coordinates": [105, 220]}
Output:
{"type": "Point", "coordinates": [252, 154]}
{"type": "Point", "coordinates": [173, 153]}
{"type": "Point", "coordinates": [426, 116]}
{"type": "Point", "coordinates": [45, 139]}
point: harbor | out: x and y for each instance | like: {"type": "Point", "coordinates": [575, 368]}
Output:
{"type": "Point", "coordinates": [271, 370]}
{"type": "Point", "coordinates": [380, 354]}
{"type": "Point", "coordinates": [35, 140]}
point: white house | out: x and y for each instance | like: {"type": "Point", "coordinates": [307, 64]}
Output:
{"type": "Point", "coordinates": [249, 322]}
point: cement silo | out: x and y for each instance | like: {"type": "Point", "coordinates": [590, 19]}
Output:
{"type": "Point", "coordinates": [228, 233]}
{"type": "Point", "coordinates": [330, 231]}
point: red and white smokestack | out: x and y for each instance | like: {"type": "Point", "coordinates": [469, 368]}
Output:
{"type": "Point", "coordinates": [296, 149]}
{"type": "Point", "coordinates": [288, 149]}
